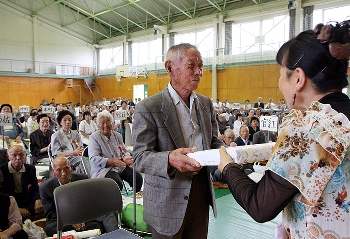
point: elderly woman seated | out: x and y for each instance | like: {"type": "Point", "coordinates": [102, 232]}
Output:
{"type": "Point", "coordinates": [108, 156]}
{"type": "Point", "coordinates": [66, 142]}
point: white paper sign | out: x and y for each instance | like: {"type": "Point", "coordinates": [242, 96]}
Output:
{"type": "Point", "coordinates": [269, 123]}
{"type": "Point", "coordinates": [48, 109]}
{"type": "Point", "coordinates": [120, 114]}
{"type": "Point", "coordinates": [5, 119]}
{"type": "Point", "coordinates": [76, 111]}
{"type": "Point", "coordinates": [23, 109]}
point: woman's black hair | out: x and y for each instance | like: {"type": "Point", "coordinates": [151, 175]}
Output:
{"type": "Point", "coordinates": [63, 113]}
{"type": "Point", "coordinates": [254, 118]}
{"type": "Point", "coordinates": [317, 28]}
{"type": "Point", "coordinates": [3, 105]}
{"type": "Point", "coordinates": [42, 116]}
{"type": "Point", "coordinates": [122, 122]}
{"type": "Point", "coordinates": [305, 51]}
{"type": "Point", "coordinates": [85, 114]}
{"type": "Point", "coordinates": [33, 113]}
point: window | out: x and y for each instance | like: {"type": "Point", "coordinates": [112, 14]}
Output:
{"type": "Point", "coordinates": [147, 52]}
{"type": "Point", "coordinates": [202, 39]}
{"type": "Point", "coordinates": [111, 57]}
{"type": "Point", "coordinates": [338, 14]}
{"type": "Point", "coordinates": [259, 36]}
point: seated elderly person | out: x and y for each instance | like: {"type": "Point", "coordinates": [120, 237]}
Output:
{"type": "Point", "coordinates": [228, 139]}
{"type": "Point", "coordinates": [86, 127]}
{"type": "Point", "coordinates": [264, 136]}
{"type": "Point", "coordinates": [20, 182]}
{"type": "Point", "coordinates": [108, 155]}
{"type": "Point", "coordinates": [243, 138]}
{"type": "Point", "coordinates": [14, 133]}
{"type": "Point", "coordinates": [66, 142]}
{"type": "Point", "coordinates": [10, 219]}
{"type": "Point", "coordinates": [62, 174]}
{"type": "Point", "coordinates": [40, 140]}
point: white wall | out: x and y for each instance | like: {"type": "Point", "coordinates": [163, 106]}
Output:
{"type": "Point", "coordinates": [20, 39]}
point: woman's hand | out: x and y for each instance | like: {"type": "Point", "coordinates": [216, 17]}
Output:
{"type": "Point", "coordinates": [224, 158]}
{"type": "Point", "coordinates": [78, 151]}
{"type": "Point", "coordinates": [128, 160]}
{"type": "Point", "coordinates": [117, 162]}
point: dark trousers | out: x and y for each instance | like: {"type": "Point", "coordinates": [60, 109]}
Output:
{"type": "Point", "coordinates": [126, 175]}
{"type": "Point", "coordinates": [195, 223]}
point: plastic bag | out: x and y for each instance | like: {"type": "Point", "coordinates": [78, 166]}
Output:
{"type": "Point", "coordinates": [33, 231]}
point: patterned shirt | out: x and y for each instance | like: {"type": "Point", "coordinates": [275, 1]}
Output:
{"type": "Point", "coordinates": [312, 153]}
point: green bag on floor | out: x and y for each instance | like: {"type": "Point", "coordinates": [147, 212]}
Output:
{"type": "Point", "coordinates": [128, 217]}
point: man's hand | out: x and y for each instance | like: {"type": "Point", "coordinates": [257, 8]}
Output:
{"type": "Point", "coordinates": [38, 207]}
{"type": "Point", "coordinates": [18, 139]}
{"type": "Point", "coordinates": [79, 227]}
{"type": "Point", "coordinates": [24, 212]}
{"type": "Point", "coordinates": [4, 235]}
{"type": "Point", "coordinates": [183, 163]}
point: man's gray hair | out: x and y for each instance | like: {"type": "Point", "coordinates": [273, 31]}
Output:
{"type": "Point", "coordinates": [176, 52]}
{"type": "Point", "coordinates": [229, 131]}
{"type": "Point", "coordinates": [102, 114]}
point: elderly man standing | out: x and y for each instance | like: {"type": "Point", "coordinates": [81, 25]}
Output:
{"type": "Point", "coordinates": [20, 182]}
{"type": "Point", "coordinates": [167, 126]}
{"type": "Point", "coordinates": [62, 171]}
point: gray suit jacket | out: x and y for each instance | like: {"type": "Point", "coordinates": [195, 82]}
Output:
{"type": "Point", "coordinates": [157, 131]}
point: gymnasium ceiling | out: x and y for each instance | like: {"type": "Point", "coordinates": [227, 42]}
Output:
{"type": "Point", "coordinates": [95, 20]}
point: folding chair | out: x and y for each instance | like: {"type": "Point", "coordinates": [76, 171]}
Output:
{"type": "Point", "coordinates": [87, 167]}
{"type": "Point", "coordinates": [85, 200]}
{"type": "Point", "coordinates": [86, 161]}
{"type": "Point", "coordinates": [49, 153]}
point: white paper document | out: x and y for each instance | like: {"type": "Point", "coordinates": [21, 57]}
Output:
{"type": "Point", "coordinates": [239, 154]}
{"type": "Point", "coordinates": [211, 157]}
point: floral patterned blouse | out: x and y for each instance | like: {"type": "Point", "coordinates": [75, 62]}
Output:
{"type": "Point", "coordinates": [312, 152]}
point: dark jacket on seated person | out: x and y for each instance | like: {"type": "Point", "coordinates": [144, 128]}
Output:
{"type": "Point", "coordinates": [239, 141]}
{"type": "Point", "coordinates": [106, 223]}
{"type": "Point", "coordinates": [30, 188]}
{"type": "Point", "coordinates": [38, 141]}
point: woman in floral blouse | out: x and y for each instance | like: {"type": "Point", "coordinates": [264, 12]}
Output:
{"type": "Point", "coordinates": [308, 172]}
